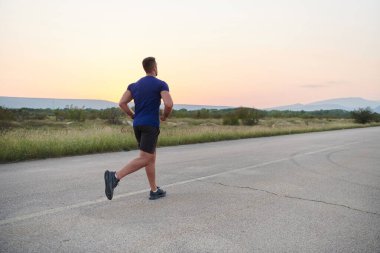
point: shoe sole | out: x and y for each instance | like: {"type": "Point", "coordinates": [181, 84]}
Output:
{"type": "Point", "coordinates": [107, 190]}
{"type": "Point", "coordinates": [157, 197]}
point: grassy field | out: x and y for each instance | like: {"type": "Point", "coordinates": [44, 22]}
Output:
{"type": "Point", "coordinates": [48, 138]}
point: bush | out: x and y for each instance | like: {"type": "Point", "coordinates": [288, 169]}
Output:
{"type": "Point", "coordinates": [247, 116]}
{"type": "Point", "coordinates": [376, 117]}
{"type": "Point", "coordinates": [6, 114]}
{"type": "Point", "coordinates": [250, 121]}
{"type": "Point", "coordinates": [231, 120]}
{"type": "Point", "coordinates": [363, 115]}
{"type": "Point", "coordinates": [112, 115]}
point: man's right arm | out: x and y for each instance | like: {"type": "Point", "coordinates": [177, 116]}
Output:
{"type": "Point", "coordinates": [168, 104]}
{"type": "Point", "coordinates": [125, 99]}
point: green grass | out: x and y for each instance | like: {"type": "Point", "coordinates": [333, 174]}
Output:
{"type": "Point", "coordinates": [24, 144]}
{"type": "Point", "coordinates": [50, 139]}
{"type": "Point", "coordinates": [188, 135]}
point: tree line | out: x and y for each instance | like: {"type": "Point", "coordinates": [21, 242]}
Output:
{"type": "Point", "coordinates": [233, 116]}
{"type": "Point", "coordinates": [113, 115]}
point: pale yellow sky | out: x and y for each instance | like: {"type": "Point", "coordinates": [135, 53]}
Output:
{"type": "Point", "coordinates": [250, 53]}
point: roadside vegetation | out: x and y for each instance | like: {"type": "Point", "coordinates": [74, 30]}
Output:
{"type": "Point", "coordinates": [33, 134]}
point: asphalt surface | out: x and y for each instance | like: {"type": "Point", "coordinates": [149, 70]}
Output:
{"type": "Point", "coordinates": [316, 192]}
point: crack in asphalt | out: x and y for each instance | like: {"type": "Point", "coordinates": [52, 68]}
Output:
{"type": "Point", "coordinates": [294, 161]}
{"type": "Point", "coordinates": [293, 197]}
{"type": "Point", "coordinates": [345, 166]}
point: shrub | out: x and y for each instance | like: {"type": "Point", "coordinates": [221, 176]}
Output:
{"type": "Point", "coordinates": [6, 114]}
{"type": "Point", "coordinates": [231, 120]}
{"type": "Point", "coordinates": [363, 115]}
{"type": "Point", "coordinates": [376, 117]}
{"type": "Point", "coordinates": [112, 115]}
{"type": "Point", "coordinates": [247, 116]}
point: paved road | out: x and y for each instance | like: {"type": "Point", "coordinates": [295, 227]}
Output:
{"type": "Point", "coordinates": [317, 192]}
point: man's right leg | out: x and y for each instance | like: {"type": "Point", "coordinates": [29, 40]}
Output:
{"type": "Point", "coordinates": [147, 139]}
{"type": "Point", "coordinates": [142, 161]}
{"type": "Point", "coordinates": [111, 179]}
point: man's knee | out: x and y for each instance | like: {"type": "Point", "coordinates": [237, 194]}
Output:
{"type": "Point", "coordinates": [148, 158]}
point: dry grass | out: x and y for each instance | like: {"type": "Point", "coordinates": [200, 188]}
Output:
{"type": "Point", "coordinates": [93, 137]}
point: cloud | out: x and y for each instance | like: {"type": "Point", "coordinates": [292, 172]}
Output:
{"type": "Point", "coordinates": [313, 86]}
{"type": "Point", "coordinates": [327, 84]}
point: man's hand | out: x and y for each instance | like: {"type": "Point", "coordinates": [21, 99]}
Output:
{"type": "Point", "coordinates": [163, 118]}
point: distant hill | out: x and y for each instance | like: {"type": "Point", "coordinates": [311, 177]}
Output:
{"type": "Point", "coordinates": [199, 107]}
{"type": "Point", "coordinates": [347, 104]}
{"type": "Point", "coordinates": [55, 103]}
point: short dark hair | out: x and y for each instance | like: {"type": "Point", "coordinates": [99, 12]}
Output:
{"type": "Point", "coordinates": [148, 64]}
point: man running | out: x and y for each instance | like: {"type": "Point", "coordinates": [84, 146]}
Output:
{"type": "Point", "coordinates": [147, 94]}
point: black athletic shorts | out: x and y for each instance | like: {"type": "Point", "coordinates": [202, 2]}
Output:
{"type": "Point", "coordinates": [147, 137]}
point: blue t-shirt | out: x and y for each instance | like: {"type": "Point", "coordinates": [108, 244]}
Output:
{"type": "Point", "coordinates": [146, 94]}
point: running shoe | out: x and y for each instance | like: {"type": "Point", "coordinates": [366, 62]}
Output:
{"type": "Point", "coordinates": [111, 182]}
{"type": "Point", "coordinates": [158, 194]}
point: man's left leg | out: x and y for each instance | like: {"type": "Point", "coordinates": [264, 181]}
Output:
{"type": "Point", "coordinates": [150, 170]}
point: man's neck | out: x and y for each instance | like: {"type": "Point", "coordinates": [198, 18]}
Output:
{"type": "Point", "coordinates": [151, 74]}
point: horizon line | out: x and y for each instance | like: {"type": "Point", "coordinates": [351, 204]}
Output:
{"type": "Point", "coordinates": [187, 104]}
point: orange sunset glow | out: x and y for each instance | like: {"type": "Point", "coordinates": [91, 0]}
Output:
{"type": "Point", "coordinates": [238, 53]}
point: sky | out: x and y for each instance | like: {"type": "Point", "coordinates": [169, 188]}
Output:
{"type": "Point", "coordinates": [212, 52]}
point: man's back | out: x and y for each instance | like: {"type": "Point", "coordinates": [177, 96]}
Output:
{"type": "Point", "coordinates": [146, 94]}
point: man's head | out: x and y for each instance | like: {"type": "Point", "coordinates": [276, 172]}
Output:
{"type": "Point", "coordinates": [150, 66]}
